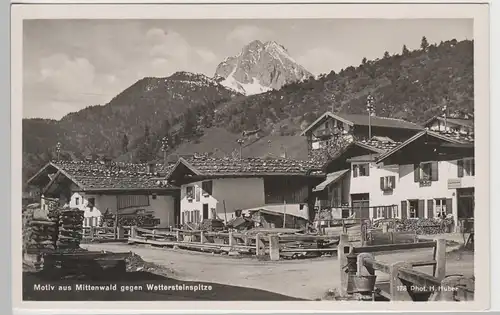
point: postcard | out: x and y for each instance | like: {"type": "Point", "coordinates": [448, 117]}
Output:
{"type": "Point", "coordinates": [300, 157]}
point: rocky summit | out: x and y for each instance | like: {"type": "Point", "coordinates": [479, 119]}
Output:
{"type": "Point", "coordinates": [260, 67]}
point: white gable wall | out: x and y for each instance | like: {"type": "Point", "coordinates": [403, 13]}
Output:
{"type": "Point", "coordinates": [162, 207]}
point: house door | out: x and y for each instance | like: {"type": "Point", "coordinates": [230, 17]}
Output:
{"type": "Point", "coordinates": [205, 211]}
{"type": "Point", "coordinates": [361, 205]}
{"type": "Point", "coordinates": [465, 203]}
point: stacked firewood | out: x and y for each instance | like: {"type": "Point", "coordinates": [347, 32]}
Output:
{"type": "Point", "coordinates": [421, 226]}
{"type": "Point", "coordinates": [39, 230]}
{"type": "Point", "coordinates": [70, 229]}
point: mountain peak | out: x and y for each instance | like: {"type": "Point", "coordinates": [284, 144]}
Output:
{"type": "Point", "coordinates": [260, 67]}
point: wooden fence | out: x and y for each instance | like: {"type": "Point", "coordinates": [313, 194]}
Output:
{"type": "Point", "coordinates": [405, 282]}
{"type": "Point", "coordinates": [383, 236]}
{"type": "Point", "coordinates": [263, 243]}
{"type": "Point", "coordinates": [106, 234]}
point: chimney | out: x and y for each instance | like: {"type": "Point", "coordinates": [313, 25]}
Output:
{"type": "Point", "coordinates": [151, 167]}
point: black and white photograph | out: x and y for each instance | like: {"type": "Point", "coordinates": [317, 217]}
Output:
{"type": "Point", "coordinates": [330, 159]}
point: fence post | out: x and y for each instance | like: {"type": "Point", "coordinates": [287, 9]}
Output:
{"type": "Point", "coordinates": [342, 259]}
{"type": "Point", "coordinates": [440, 258]}
{"type": "Point", "coordinates": [120, 232]}
{"type": "Point", "coordinates": [133, 231]}
{"type": "Point", "coordinates": [398, 290]}
{"type": "Point", "coordinates": [415, 237]}
{"type": "Point", "coordinates": [259, 245]}
{"type": "Point", "coordinates": [384, 228]}
{"type": "Point", "coordinates": [202, 237]}
{"type": "Point", "coordinates": [232, 240]}
{"type": "Point", "coordinates": [245, 240]}
{"type": "Point", "coordinates": [274, 247]}
{"type": "Point", "coordinates": [178, 236]}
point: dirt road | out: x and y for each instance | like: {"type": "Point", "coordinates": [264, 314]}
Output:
{"type": "Point", "coordinates": [306, 279]}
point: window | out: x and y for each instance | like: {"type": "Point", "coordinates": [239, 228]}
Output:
{"type": "Point", "coordinates": [77, 201]}
{"type": "Point", "coordinates": [466, 167]}
{"type": "Point", "coordinates": [207, 187]}
{"type": "Point", "coordinates": [395, 212]}
{"type": "Point", "coordinates": [130, 201]}
{"type": "Point", "coordinates": [426, 171]}
{"type": "Point", "coordinates": [91, 203]}
{"type": "Point", "coordinates": [440, 206]}
{"type": "Point", "coordinates": [361, 170]}
{"type": "Point", "coordinates": [413, 211]}
{"type": "Point", "coordinates": [387, 183]}
{"type": "Point", "coordinates": [154, 197]}
{"type": "Point", "coordinates": [190, 192]}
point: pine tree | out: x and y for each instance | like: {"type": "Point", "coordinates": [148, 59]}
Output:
{"type": "Point", "coordinates": [145, 151]}
{"type": "Point", "coordinates": [125, 143]}
{"type": "Point", "coordinates": [405, 51]}
{"type": "Point", "coordinates": [424, 44]}
{"type": "Point", "coordinates": [190, 122]}
{"type": "Point", "coordinates": [363, 61]}
{"type": "Point", "coordinates": [386, 55]}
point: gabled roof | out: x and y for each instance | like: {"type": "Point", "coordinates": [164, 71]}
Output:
{"type": "Point", "coordinates": [364, 120]}
{"type": "Point", "coordinates": [223, 167]}
{"type": "Point", "coordinates": [469, 123]}
{"type": "Point", "coordinates": [92, 176]}
{"type": "Point", "coordinates": [331, 178]}
{"type": "Point", "coordinates": [456, 138]}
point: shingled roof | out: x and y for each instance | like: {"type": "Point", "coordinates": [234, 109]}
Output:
{"type": "Point", "coordinates": [206, 166]}
{"type": "Point", "coordinates": [456, 138]}
{"type": "Point", "coordinates": [364, 120]}
{"type": "Point", "coordinates": [96, 176]}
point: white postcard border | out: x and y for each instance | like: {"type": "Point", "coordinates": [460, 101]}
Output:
{"type": "Point", "coordinates": [477, 12]}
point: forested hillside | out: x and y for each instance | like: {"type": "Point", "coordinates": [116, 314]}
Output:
{"type": "Point", "coordinates": [412, 85]}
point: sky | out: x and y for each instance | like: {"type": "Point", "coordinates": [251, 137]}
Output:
{"type": "Point", "coordinates": [72, 64]}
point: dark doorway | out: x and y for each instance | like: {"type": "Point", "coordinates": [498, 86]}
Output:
{"type": "Point", "coordinates": [465, 203]}
{"type": "Point", "coordinates": [361, 205]}
{"type": "Point", "coordinates": [205, 211]}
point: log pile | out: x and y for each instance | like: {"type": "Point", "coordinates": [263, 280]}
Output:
{"type": "Point", "coordinates": [70, 229]}
{"type": "Point", "coordinates": [212, 225]}
{"type": "Point", "coordinates": [142, 220]}
{"type": "Point", "coordinates": [421, 226]}
{"type": "Point", "coordinates": [39, 230]}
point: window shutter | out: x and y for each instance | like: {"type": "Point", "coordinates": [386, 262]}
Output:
{"type": "Point", "coordinates": [449, 205]}
{"type": "Point", "coordinates": [460, 165]}
{"type": "Point", "coordinates": [416, 173]}
{"type": "Point", "coordinates": [355, 171]}
{"type": "Point", "coordinates": [382, 183]}
{"type": "Point", "coordinates": [473, 167]}
{"type": "Point", "coordinates": [368, 169]}
{"type": "Point", "coordinates": [393, 181]}
{"type": "Point", "coordinates": [434, 171]}
{"type": "Point", "coordinates": [375, 209]}
{"type": "Point", "coordinates": [389, 212]}
{"type": "Point", "coordinates": [404, 210]}
{"type": "Point", "coordinates": [430, 208]}
{"type": "Point", "coordinates": [421, 208]}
